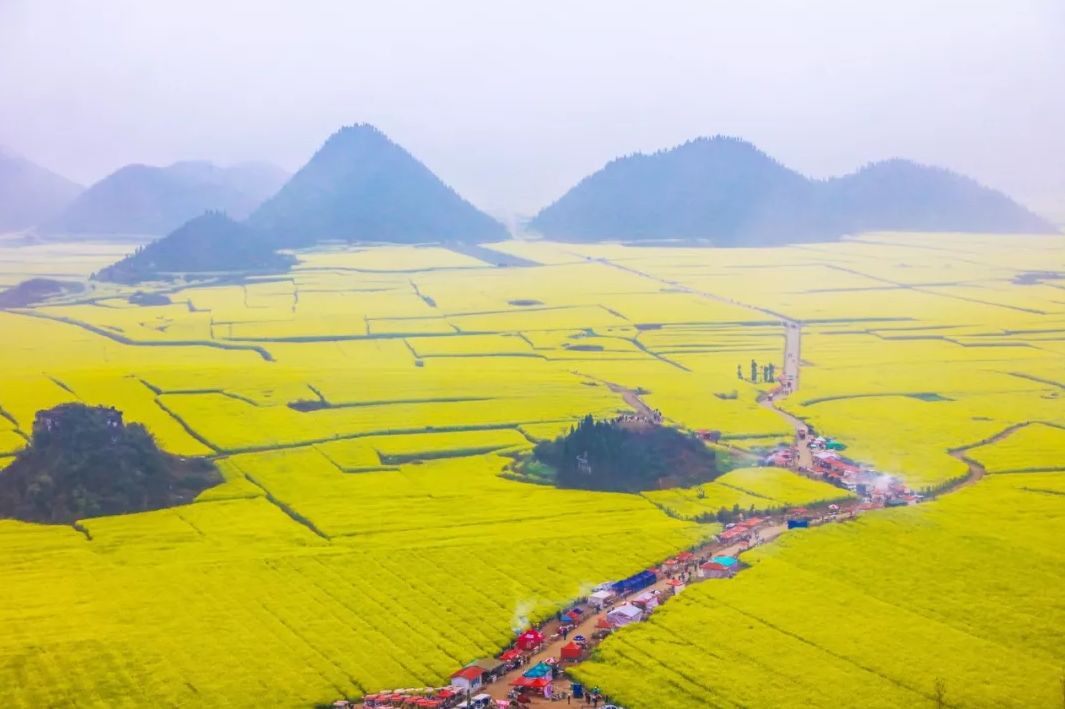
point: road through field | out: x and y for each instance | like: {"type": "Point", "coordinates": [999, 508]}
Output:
{"type": "Point", "coordinates": [677, 285]}
{"type": "Point", "coordinates": [552, 648]}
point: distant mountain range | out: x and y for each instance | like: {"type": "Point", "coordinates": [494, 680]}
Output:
{"type": "Point", "coordinates": [211, 242]}
{"type": "Point", "coordinates": [29, 193]}
{"type": "Point", "coordinates": [148, 200]}
{"type": "Point", "coordinates": [360, 186]}
{"type": "Point", "coordinates": [727, 192]}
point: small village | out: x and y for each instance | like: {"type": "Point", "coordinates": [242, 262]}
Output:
{"type": "Point", "coordinates": [821, 458]}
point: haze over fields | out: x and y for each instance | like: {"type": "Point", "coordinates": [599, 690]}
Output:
{"type": "Point", "coordinates": [468, 355]}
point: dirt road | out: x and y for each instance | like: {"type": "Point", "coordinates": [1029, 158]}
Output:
{"type": "Point", "coordinates": [792, 354]}
{"type": "Point", "coordinates": [554, 643]}
{"type": "Point", "coordinates": [632, 398]}
{"type": "Point", "coordinates": [789, 384]}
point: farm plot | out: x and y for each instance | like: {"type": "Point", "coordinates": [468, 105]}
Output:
{"type": "Point", "coordinates": [762, 488]}
{"type": "Point", "coordinates": [1037, 446]}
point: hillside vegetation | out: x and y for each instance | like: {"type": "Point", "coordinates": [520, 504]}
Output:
{"type": "Point", "coordinates": [605, 455]}
{"type": "Point", "coordinates": [210, 243]}
{"type": "Point", "coordinates": [360, 186]}
{"type": "Point", "coordinates": [726, 191]}
{"type": "Point", "coordinates": [84, 461]}
{"type": "Point", "coordinates": [34, 290]}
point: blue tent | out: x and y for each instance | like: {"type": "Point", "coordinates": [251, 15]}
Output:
{"type": "Point", "coordinates": [634, 583]}
{"type": "Point", "coordinates": [536, 671]}
{"type": "Point", "coordinates": [725, 560]}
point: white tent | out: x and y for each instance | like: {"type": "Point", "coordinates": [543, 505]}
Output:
{"type": "Point", "coordinates": [599, 599]}
{"type": "Point", "coordinates": [623, 615]}
{"type": "Point", "coordinates": [647, 599]}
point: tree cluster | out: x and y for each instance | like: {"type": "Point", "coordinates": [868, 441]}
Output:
{"type": "Point", "coordinates": [209, 243]}
{"type": "Point", "coordinates": [605, 455]}
{"type": "Point", "coordinates": [83, 461]}
{"type": "Point", "coordinates": [728, 192]}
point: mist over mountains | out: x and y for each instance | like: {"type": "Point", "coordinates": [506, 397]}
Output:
{"type": "Point", "coordinates": [150, 200]}
{"type": "Point", "coordinates": [726, 191]}
{"type": "Point", "coordinates": [360, 186]}
{"type": "Point", "coordinates": [210, 243]}
{"type": "Point", "coordinates": [29, 193]}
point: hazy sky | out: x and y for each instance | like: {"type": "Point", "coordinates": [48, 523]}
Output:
{"type": "Point", "coordinates": [512, 102]}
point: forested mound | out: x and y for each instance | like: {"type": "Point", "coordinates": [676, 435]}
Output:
{"type": "Point", "coordinates": [626, 457]}
{"type": "Point", "coordinates": [210, 243]}
{"type": "Point", "coordinates": [35, 290]}
{"type": "Point", "coordinates": [84, 461]}
{"type": "Point", "coordinates": [29, 193]}
{"type": "Point", "coordinates": [727, 192]}
{"type": "Point", "coordinates": [151, 200]}
{"type": "Point", "coordinates": [360, 186]}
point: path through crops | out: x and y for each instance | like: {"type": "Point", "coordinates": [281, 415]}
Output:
{"type": "Point", "coordinates": [555, 642]}
{"type": "Point", "coordinates": [552, 648]}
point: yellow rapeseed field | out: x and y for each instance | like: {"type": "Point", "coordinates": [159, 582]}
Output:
{"type": "Point", "coordinates": [362, 407]}
{"type": "Point", "coordinates": [762, 488]}
{"type": "Point", "coordinates": [965, 594]}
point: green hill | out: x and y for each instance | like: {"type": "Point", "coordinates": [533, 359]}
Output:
{"type": "Point", "coordinates": [84, 461]}
{"type": "Point", "coordinates": [727, 192]}
{"type": "Point", "coordinates": [211, 243]}
{"type": "Point", "coordinates": [360, 186]}
{"type": "Point", "coordinates": [626, 456]}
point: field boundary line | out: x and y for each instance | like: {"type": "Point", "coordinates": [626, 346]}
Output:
{"type": "Point", "coordinates": [293, 514]}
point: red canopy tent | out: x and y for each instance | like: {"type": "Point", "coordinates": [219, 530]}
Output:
{"type": "Point", "coordinates": [571, 651]}
{"type": "Point", "coordinates": [530, 639]}
{"type": "Point", "coordinates": [685, 556]}
{"type": "Point", "coordinates": [603, 624]}
{"type": "Point", "coordinates": [471, 673]}
{"type": "Point", "coordinates": [511, 654]}
{"type": "Point", "coordinates": [523, 682]}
